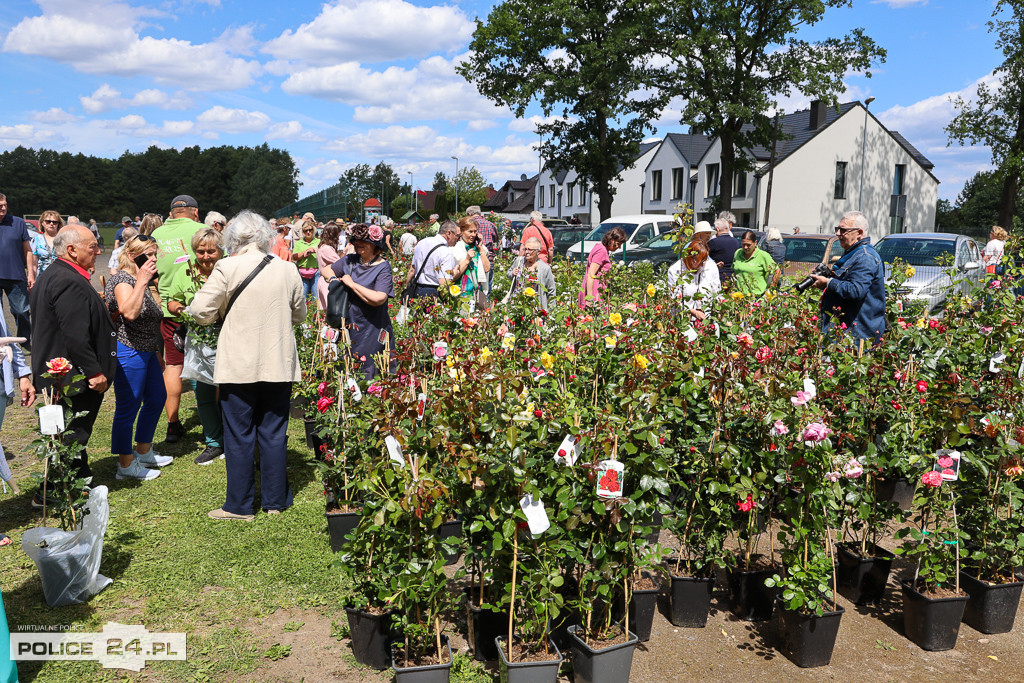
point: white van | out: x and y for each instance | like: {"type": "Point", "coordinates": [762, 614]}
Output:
{"type": "Point", "coordinates": [638, 228]}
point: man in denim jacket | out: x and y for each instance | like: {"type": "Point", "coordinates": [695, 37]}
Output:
{"type": "Point", "coordinates": [854, 297]}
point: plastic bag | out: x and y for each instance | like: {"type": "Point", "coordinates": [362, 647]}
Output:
{"type": "Point", "coordinates": [69, 561]}
{"type": "Point", "coordinates": [200, 359]}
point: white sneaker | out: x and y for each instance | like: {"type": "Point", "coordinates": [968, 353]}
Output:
{"type": "Point", "coordinates": [152, 459]}
{"type": "Point", "coordinates": [136, 471]}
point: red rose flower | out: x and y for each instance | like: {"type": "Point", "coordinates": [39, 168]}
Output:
{"type": "Point", "coordinates": [932, 479]}
{"type": "Point", "coordinates": [922, 386]}
{"type": "Point", "coordinates": [58, 366]}
{"type": "Point", "coordinates": [538, 413]}
{"type": "Point", "coordinates": [746, 505]}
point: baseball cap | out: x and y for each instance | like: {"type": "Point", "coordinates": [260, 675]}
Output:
{"type": "Point", "coordinates": [183, 200]}
{"type": "Point", "coordinates": [126, 219]}
{"type": "Point", "coordinates": [309, 214]}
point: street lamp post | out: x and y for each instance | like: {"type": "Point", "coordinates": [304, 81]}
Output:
{"type": "Point", "coordinates": [411, 190]}
{"type": "Point", "coordinates": [455, 180]}
{"type": "Point", "coordinates": [863, 139]}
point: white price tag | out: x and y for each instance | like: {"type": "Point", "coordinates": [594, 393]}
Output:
{"type": "Point", "coordinates": [421, 403]}
{"type": "Point", "coordinates": [394, 449]}
{"type": "Point", "coordinates": [810, 387]}
{"type": "Point", "coordinates": [353, 387]}
{"type": "Point", "coordinates": [569, 452]}
{"type": "Point", "coordinates": [536, 516]}
{"type": "Point", "coordinates": [610, 476]}
{"type": "Point", "coordinates": [440, 349]}
{"type": "Point", "coordinates": [51, 420]}
{"type": "Point", "coordinates": [995, 364]}
{"type": "Point", "coordinates": [691, 335]}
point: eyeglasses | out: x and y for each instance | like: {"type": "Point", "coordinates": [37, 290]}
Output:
{"type": "Point", "coordinates": [842, 231]}
{"type": "Point", "coordinates": [144, 238]}
{"type": "Point", "coordinates": [51, 222]}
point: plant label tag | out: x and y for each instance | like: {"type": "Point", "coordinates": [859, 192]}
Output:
{"type": "Point", "coordinates": [353, 387]}
{"type": "Point", "coordinates": [536, 516]}
{"type": "Point", "coordinates": [700, 373]}
{"type": "Point", "coordinates": [1020, 370]}
{"type": "Point", "coordinates": [329, 333]}
{"type": "Point", "coordinates": [947, 463]}
{"type": "Point", "coordinates": [569, 452]}
{"type": "Point", "coordinates": [996, 362]}
{"type": "Point", "coordinates": [810, 387]}
{"type": "Point", "coordinates": [51, 420]}
{"type": "Point", "coordinates": [181, 259]}
{"type": "Point", "coordinates": [421, 403]}
{"type": "Point", "coordinates": [394, 450]}
{"type": "Point", "coordinates": [630, 322]}
{"type": "Point", "coordinates": [403, 315]}
{"type": "Point", "coordinates": [610, 475]}
{"type": "Point", "coordinates": [440, 349]}
{"type": "Point", "coordinates": [691, 335]}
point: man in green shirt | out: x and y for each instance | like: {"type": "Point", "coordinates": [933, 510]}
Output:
{"type": "Point", "coordinates": [174, 239]}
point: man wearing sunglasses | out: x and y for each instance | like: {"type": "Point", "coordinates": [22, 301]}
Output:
{"type": "Point", "coordinates": [854, 297]}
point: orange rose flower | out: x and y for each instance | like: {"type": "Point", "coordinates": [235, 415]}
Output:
{"type": "Point", "coordinates": [58, 366]}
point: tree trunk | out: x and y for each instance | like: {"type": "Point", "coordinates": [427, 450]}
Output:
{"type": "Point", "coordinates": [604, 197]}
{"type": "Point", "coordinates": [1008, 199]}
{"type": "Point", "coordinates": [728, 159]}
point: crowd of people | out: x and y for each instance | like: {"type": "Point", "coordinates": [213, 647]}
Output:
{"type": "Point", "coordinates": [255, 279]}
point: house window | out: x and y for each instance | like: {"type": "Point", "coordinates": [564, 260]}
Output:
{"type": "Point", "coordinates": [656, 186]}
{"type": "Point", "coordinates": [840, 191]}
{"type": "Point", "coordinates": [569, 193]}
{"type": "Point", "coordinates": [540, 198]}
{"type": "Point", "coordinates": [583, 194]}
{"type": "Point", "coordinates": [739, 184]}
{"type": "Point", "coordinates": [711, 175]}
{"type": "Point", "coordinates": [551, 195]}
{"type": "Point", "coordinates": [678, 175]}
{"type": "Point", "coordinates": [897, 179]}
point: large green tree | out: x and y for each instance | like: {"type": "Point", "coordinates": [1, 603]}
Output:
{"type": "Point", "coordinates": [730, 61]}
{"type": "Point", "coordinates": [356, 187]}
{"type": "Point", "coordinates": [387, 185]}
{"type": "Point", "coordinates": [472, 188]}
{"type": "Point", "coordinates": [995, 117]}
{"type": "Point", "coordinates": [583, 62]}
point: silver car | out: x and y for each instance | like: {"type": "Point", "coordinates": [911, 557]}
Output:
{"type": "Point", "coordinates": [942, 263]}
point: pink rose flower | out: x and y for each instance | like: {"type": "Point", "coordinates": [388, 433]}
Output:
{"type": "Point", "coordinates": [763, 354]}
{"type": "Point", "coordinates": [832, 476]}
{"type": "Point", "coordinates": [815, 433]}
{"type": "Point", "coordinates": [932, 479]}
{"type": "Point", "coordinates": [375, 233]}
{"type": "Point", "coordinates": [321, 389]}
{"type": "Point", "coordinates": [376, 388]}
{"type": "Point", "coordinates": [745, 339]}
{"type": "Point", "coordinates": [801, 398]}
{"type": "Point", "coordinates": [780, 428]}
{"type": "Point", "coordinates": [852, 469]}
{"type": "Point", "coordinates": [323, 403]}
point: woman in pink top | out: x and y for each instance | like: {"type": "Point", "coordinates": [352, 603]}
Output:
{"type": "Point", "coordinates": [598, 263]}
{"type": "Point", "coordinates": [326, 254]}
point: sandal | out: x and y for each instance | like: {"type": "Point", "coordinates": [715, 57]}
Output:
{"type": "Point", "coordinates": [4, 540]}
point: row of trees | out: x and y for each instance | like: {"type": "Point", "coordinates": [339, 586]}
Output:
{"type": "Point", "coordinates": [227, 179]}
{"type": "Point", "coordinates": [978, 207]}
{"type": "Point", "coordinates": [361, 182]}
{"type": "Point", "coordinates": [603, 70]}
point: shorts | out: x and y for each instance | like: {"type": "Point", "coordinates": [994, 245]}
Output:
{"type": "Point", "coordinates": [172, 356]}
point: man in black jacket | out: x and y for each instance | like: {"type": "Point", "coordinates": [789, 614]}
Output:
{"type": "Point", "coordinates": [71, 321]}
{"type": "Point", "coordinates": [722, 248]}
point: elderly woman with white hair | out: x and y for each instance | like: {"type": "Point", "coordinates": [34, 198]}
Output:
{"type": "Point", "coordinates": [774, 245]}
{"type": "Point", "coordinates": [259, 298]}
{"type": "Point", "coordinates": [529, 271]}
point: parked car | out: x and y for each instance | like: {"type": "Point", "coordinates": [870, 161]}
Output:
{"type": "Point", "coordinates": [565, 236]}
{"type": "Point", "coordinates": [943, 263]}
{"type": "Point", "coordinates": [656, 251]}
{"type": "Point", "coordinates": [804, 252]}
{"type": "Point", "coordinates": [639, 228]}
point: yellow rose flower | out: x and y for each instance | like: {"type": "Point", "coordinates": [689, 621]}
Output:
{"type": "Point", "coordinates": [454, 290]}
{"type": "Point", "coordinates": [615, 319]}
{"type": "Point", "coordinates": [547, 360]}
{"type": "Point", "coordinates": [921, 324]}
{"type": "Point", "coordinates": [910, 272]}
{"type": "Point", "coordinates": [610, 341]}
{"type": "Point", "coordinates": [529, 291]}
{"type": "Point", "coordinates": [508, 341]}
{"type": "Point", "coordinates": [736, 296]}
{"type": "Point", "coordinates": [769, 294]}
{"type": "Point", "coordinates": [640, 361]}
{"type": "Point", "coordinates": [485, 355]}
{"type": "Point", "coordinates": [651, 290]}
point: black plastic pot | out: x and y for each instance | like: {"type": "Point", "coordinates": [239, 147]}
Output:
{"type": "Point", "coordinates": [370, 634]}
{"type": "Point", "coordinates": [862, 580]}
{"type": "Point", "coordinates": [899, 490]}
{"type": "Point", "coordinates": [313, 441]}
{"type": "Point", "coordinates": [433, 673]}
{"type": "Point", "coordinates": [749, 598]}
{"type": "Point", "coordinates": [527, 672]}
{"type": "Point", "coordinates": [807, 640]}
{"type": "Point", "coordinates": [991, 607]}
{"type": "Point", "coordinates": [451, 529]}
{"type": "Point", "coordinates": [484, 626]}
{"type": "Point", "coordinates": [691, 600]}
{"type": "Point", "coordinates": [607, 665]}
{"type": "Point", "coordinates": [642, 606]}
{"type": "Point", "coordinates": [339, 525]}
{"type": "Point", "coordinates": [656, 524]}
{"type": "Point", "coordinates": [932, 624]}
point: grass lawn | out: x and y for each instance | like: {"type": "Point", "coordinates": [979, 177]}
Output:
{"type": "Point", "coordinates": [258, 601]}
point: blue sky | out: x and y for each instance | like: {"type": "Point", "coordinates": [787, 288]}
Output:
{"type": "Point", "coordinates": [357, 81]}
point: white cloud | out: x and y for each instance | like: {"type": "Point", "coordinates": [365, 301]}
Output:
{"type": "Point", "coordinates": [122, 51]}
{"type": "Point", "coordinates": [54, 115]}
{"type": "Point", "coordinates": [372, 31]}
{"type": "Point", "coordinates": [529, 125]}
{"type": "Point", "coordinates": [220, 119]}
{"type": "Point", "coordinates": [26, 135]}
{"type": "Point", "coordinates": [105, 98]}
{"type": "Point", "coordinates": [430, 90]}
{"type": "Point", "coordinates": [291, 131]}
{"type": "Point", "coordinates": [136, 126]}
{"type": "Point", "coordinates": [897, 4]}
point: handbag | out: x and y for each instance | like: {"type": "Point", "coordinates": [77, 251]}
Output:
{"type": "Point", "coordinates": [338, 302]}
{"type": "Point", "coordinates": [410, 289]}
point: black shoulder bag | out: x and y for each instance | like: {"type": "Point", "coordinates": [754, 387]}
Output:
{"type": "Point", "coordinates": [338, 303]}
{"type": "Point", "coordinates": [411, 288]}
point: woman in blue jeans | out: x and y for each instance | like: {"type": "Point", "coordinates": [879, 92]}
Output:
{"type": "Point", "coordinates": [139, 385]}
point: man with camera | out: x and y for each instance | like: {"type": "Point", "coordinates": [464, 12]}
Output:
{"type": "Point", "coordinates": [854, 290]}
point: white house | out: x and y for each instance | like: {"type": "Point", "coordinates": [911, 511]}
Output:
{"type": "Point", "coordinates": [817, 175]}
{"type": "Point", "coordinates": [562, 195]}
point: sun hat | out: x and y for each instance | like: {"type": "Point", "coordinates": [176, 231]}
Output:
{"type": "Point", "coordinates": [702, 226]}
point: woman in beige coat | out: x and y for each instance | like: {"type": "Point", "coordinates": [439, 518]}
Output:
{"type": "Point", "coordinates": [256, 364]}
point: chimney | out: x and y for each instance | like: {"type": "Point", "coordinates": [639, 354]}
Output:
{"type": "Point", "coordinates": [817, 119]}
